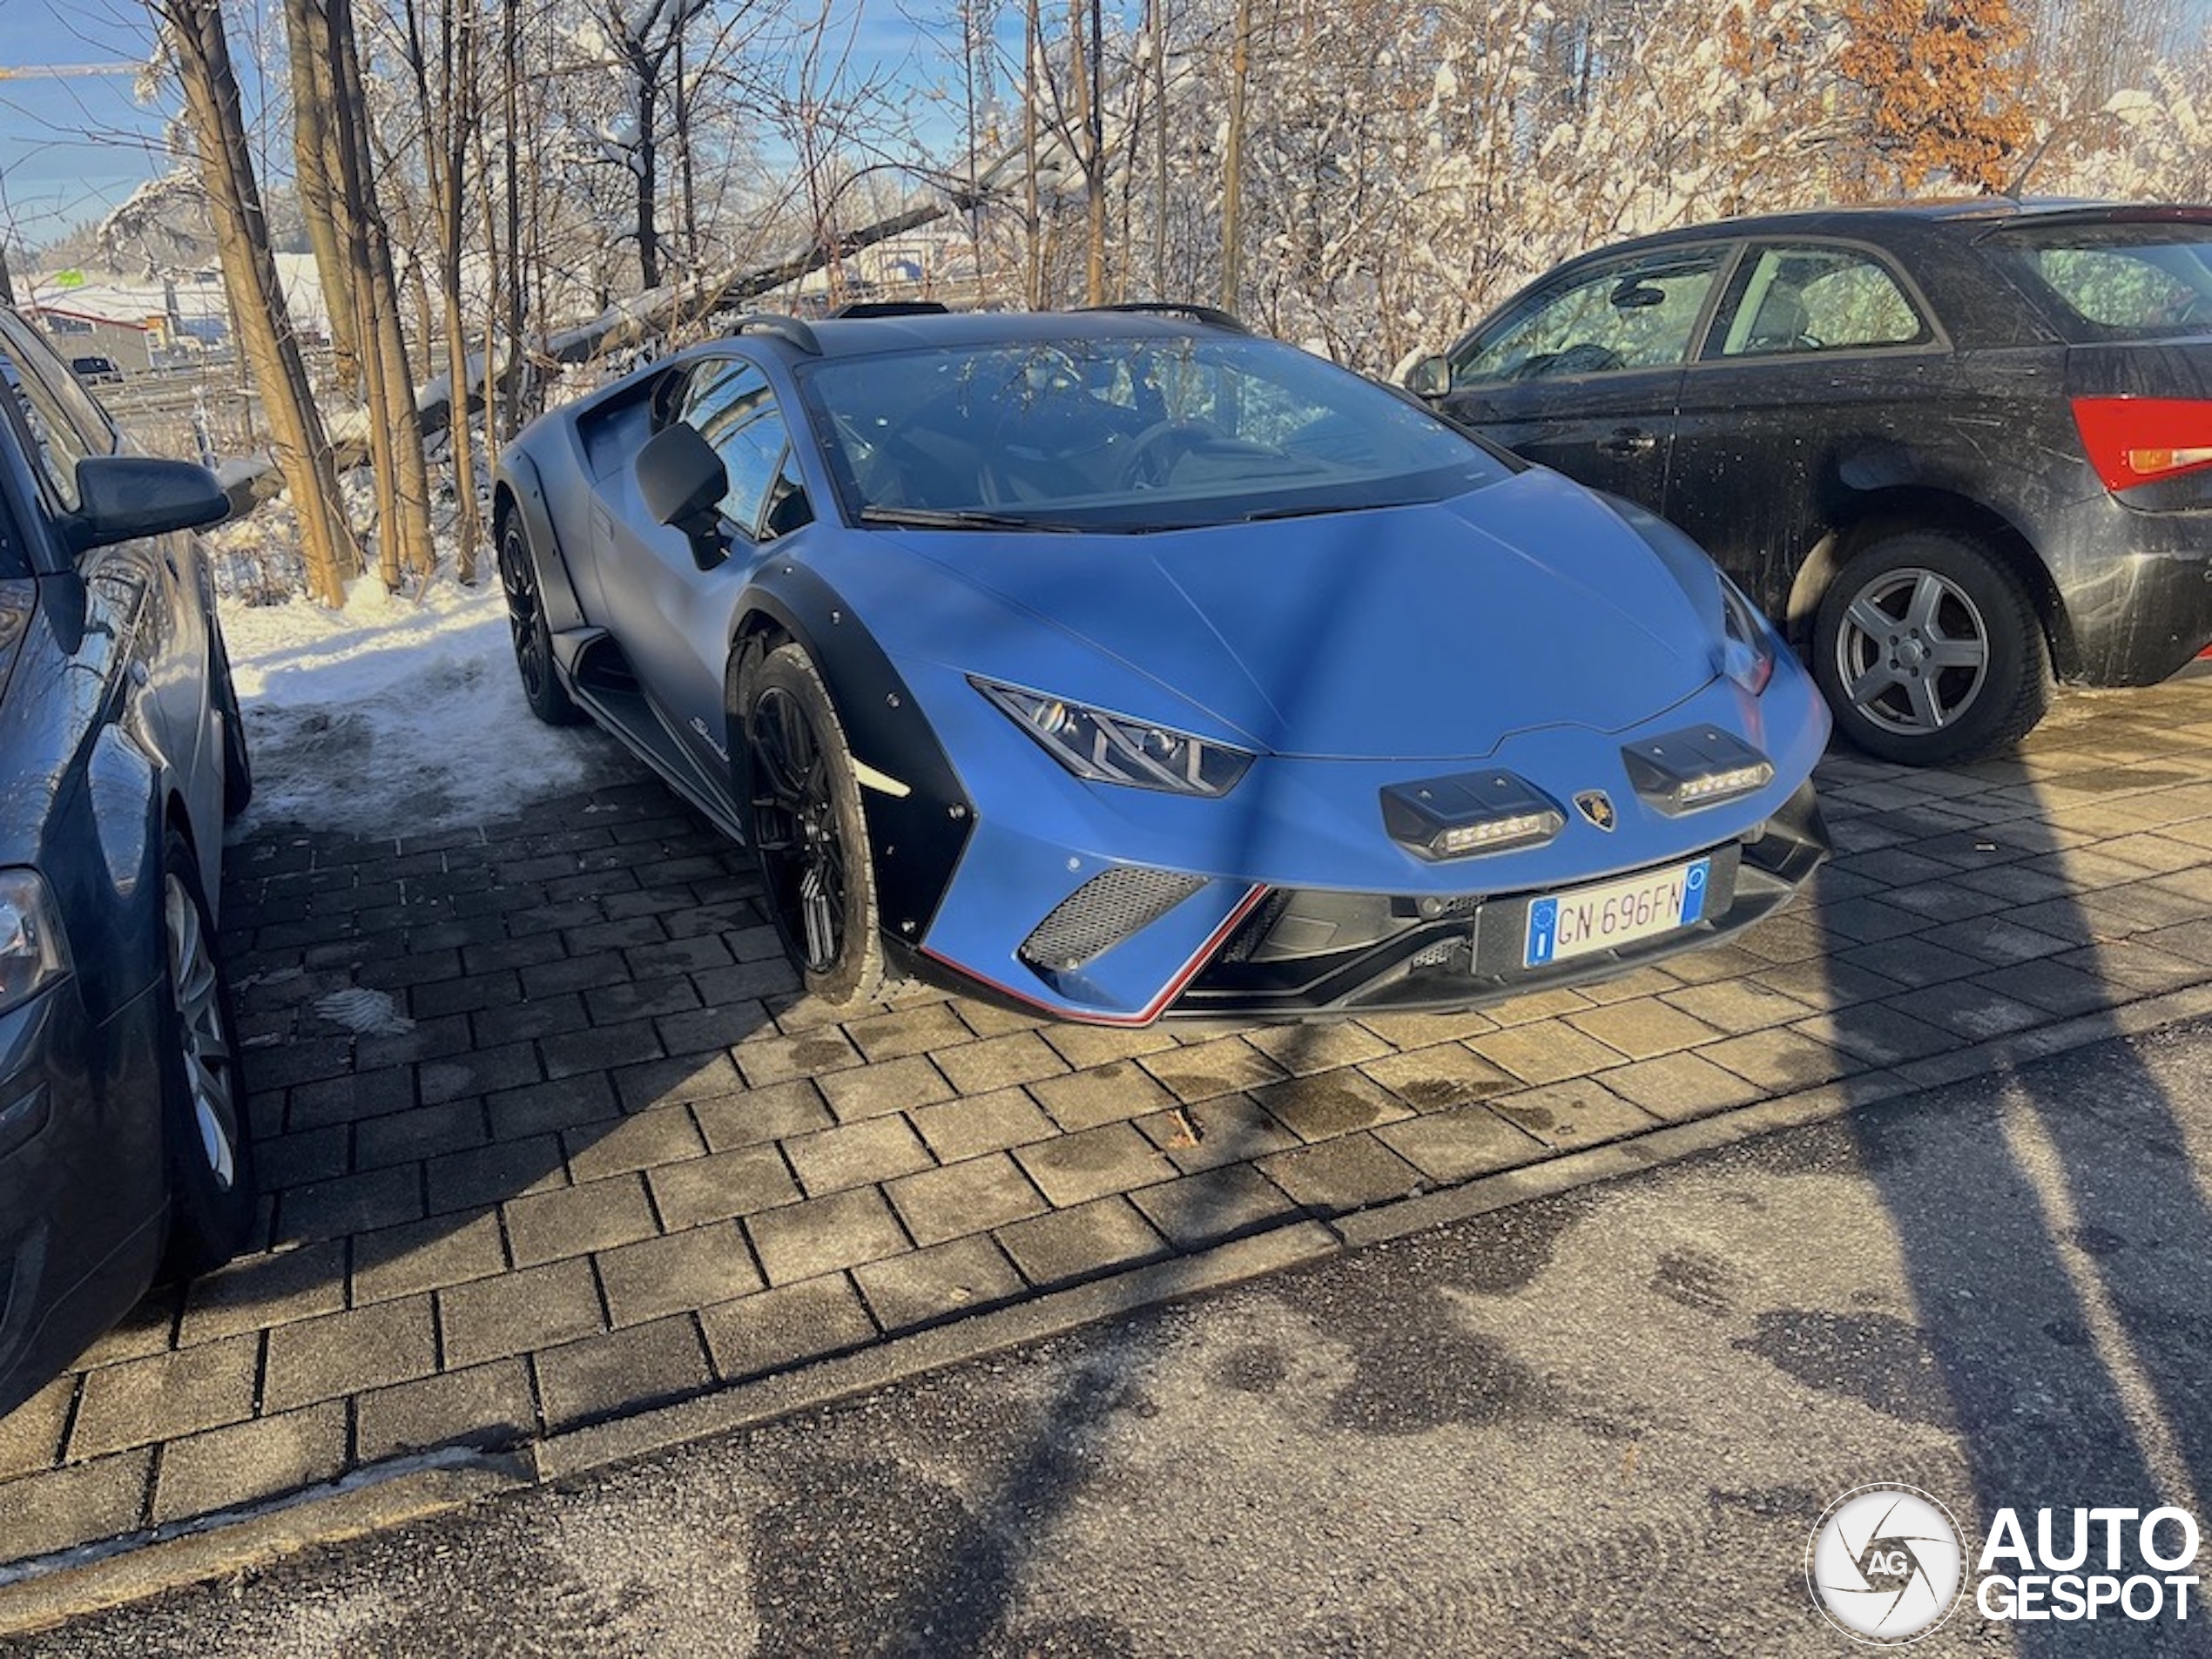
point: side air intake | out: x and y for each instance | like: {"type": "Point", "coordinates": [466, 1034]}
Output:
{"type": "Point", "coordinates": [1101, 912]}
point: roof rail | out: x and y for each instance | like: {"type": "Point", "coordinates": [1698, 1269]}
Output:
{"type": "Point", "coordinates": [1212, 316]}
{"type": "Point", "coordinates": [892, 309]}
{"type": "Point", "coordinates": [789, 330]}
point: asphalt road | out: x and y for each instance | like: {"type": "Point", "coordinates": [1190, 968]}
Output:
{"type": "Point", "coordinates": [1601, 1424]}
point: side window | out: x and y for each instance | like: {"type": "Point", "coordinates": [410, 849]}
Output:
{"type": "Point", "coordinates": [1820, 299]}
{"type": "Point", "coordinates": [2117, 288]}
{"type": "Point", "coordinates": [56, 445]}
{"type": "Point", "coordinates": [1637, 314]}
{"type": "Point", "coordinates": [731, 406]}
{"type": "Point", "coordinates": [66, 425]}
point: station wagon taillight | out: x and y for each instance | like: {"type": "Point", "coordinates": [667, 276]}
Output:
{"type": "Point", "coordinates": [2133, 441]}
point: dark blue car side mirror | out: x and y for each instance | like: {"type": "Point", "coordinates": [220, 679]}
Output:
{"type": "Point", "coordinates": [121, 497]}
{"type": "Point", "coordinates": [681, 481]}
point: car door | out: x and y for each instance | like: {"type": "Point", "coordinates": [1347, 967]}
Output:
{"type": "Point", "coordinates": [146, 627]}
{"type": "Point", "coordinates": [672, 617]}
{"type": "Point", "coordinates": [1822, 357]}
{"type": "Point", "coordinates": [1581, 372]}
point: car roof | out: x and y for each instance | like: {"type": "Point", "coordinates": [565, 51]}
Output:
{"type": "Point", "coordinates": [1872, 220]}
{"type": "Point", "coordinates": [862, 336]}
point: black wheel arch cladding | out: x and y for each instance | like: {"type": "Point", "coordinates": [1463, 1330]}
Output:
{"type": "Point", "coordinates": [915, 841]}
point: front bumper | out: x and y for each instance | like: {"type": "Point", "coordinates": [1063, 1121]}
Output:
{"type": "Point", "coordinates": [1410, 955]}
{"type": "Point", "coordinates": [1291, 899]}
{"type": "Point", "coordinates": [82, 1209]}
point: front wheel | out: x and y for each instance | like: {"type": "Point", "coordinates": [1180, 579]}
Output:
{"type": "Point", "coordinates": [211, 1160]}
{"type": "Point", "coordinates": [541, 688]}
{"type": "Point", "coordinates": [1930, 650]}
{"type": "Point", "coordinates": [808, 828]}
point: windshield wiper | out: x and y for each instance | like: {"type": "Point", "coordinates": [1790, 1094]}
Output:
{"type": "Point", "coordinates": [957, 518]}
{"type": "Point", "coordinates": [1299, 510]}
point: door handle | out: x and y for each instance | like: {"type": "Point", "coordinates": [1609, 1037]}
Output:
{"type": "Point", "coordinates": [1625, 441]}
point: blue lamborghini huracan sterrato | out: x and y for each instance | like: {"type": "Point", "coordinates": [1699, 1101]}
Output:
{"type": "Point", "coordinates": [1119, 664]}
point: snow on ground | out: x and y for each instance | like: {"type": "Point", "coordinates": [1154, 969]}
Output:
{"type": "Point", "coordinates": [399, 717]}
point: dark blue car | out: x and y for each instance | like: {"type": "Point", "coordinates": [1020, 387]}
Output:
{"type": "Point", "coordinates": [1122, 664]}
{"type": "Point", "coordinates": [122, 1139]}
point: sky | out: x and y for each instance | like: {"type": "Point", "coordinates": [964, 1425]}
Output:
{"type": "Point", "coordinates": [71, 148]}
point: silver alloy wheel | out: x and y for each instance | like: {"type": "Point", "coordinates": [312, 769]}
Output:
{"type": "Point", "coordinates": [200, 1030]}
{"type": "Point", "coordinates": [1913, 652]}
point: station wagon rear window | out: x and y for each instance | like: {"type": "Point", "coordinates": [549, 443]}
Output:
{"type": "Point", "coordinates": [2134, 280]}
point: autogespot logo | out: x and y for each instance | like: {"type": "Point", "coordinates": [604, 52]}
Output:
{"type": "Point", "coordinates": [1886, 1564]}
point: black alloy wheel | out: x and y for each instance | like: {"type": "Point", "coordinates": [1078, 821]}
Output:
{"type": "Point", "coordinates": [808, 829]}
{"type": "Point", "coordinates": [541, 688]}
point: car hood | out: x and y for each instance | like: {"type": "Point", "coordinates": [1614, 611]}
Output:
{"type": "Point", "coordinates": [1431, 632]}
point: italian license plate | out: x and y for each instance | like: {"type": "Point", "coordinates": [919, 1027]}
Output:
{"type": "Point", "coordinates": [1563, 925]}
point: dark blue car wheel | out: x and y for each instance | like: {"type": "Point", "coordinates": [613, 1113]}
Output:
{"type": "Point", "coordinates": [211, 1159]}
{"type": "Point", "coordinates": [541, 689]}
{"type": "Point", "coordinates": [808, 829]}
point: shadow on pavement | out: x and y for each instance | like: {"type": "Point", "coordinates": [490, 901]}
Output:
{"type": "Point", "coordinates": [2050, 1255]}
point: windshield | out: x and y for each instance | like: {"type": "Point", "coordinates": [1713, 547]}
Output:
{"type": "Point", "coordinates": [1125, 434]}
{"type": "Point", "coordinates": [2134, 280]}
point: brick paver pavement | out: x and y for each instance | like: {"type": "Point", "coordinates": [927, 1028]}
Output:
{"type": "Point", "coordinates": [548, 1137]}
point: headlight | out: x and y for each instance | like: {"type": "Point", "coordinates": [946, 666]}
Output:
{"type": "Point", "coordinates": [1115, 749]}
{"type": "Point", "coordinates": [32, 955]}
{"type": "Point", "coordinates": [1747, 650]}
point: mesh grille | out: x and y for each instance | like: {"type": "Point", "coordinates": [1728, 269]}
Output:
{"type": "Point", "coordinates": [1102, 912]}
{"type": "Point", "coordinates": [1435, 955]}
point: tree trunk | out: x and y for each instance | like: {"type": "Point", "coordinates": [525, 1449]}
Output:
{"type": "Point", "coordinates": [265, 339]}
{"type": "Point", "coordinates": [1232, 161]}
{"type": "Point", "coordinates": [307, 28]}
{"type": "Point", "coordinates": [395, 431]}
{"type": "Point", "coordinates": [648, 170]}
{"type": "Point", "coordinates": [449, 121]}
{"type": "Point", "coordinates": [1032, 213]}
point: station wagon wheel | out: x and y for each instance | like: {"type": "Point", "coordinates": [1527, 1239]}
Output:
{"type": "Point", "coordinates": [210, 1156]}
{"type": "Point", "coordinates": [808, 830]}
{"type": "Point", "coordinates": [1929, 651]}
{"type": "Point", "coordinates": [541, 689]}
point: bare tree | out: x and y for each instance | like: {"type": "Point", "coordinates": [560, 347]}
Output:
{"type": "Point", "coordinates": [193, 31]}
{"type": "Point", "coordinates": [314, 164]}
{"type": "Point", "coordinates": [645, 36]}
{"type": "Point", "coordinates": [394, 432]}
{"type": "Point", "coordinates": [447, 92]}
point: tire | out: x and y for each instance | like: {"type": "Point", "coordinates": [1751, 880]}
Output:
{"type": "Point", "coordinates": [541, 688]}
{"type": "Point", "coordinates": [238, 764]}
{"type": "Point", "coordinates": [807, 829]}
{"type": "Point", "coordinates": [212, 1189]}
{"type": "Point", "coordinates": [1941, 645]}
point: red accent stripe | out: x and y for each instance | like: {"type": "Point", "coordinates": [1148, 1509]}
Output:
{"type": "Point", "coordinates": [1158, 1006]}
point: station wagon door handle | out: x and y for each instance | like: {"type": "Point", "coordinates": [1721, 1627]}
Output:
{"type": "Point", "coordinates": [1627, 441]}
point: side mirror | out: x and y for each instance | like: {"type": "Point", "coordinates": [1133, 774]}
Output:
{"type": "Point", "coordinates": [681, 480]}
{"type": "Point", "coordinates": [121, 497]}
{"type": "Point", "coordinates": [1431, 377]}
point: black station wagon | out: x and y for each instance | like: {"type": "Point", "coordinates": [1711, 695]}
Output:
{"type": "Point", "coordinates": [1954, 448]}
